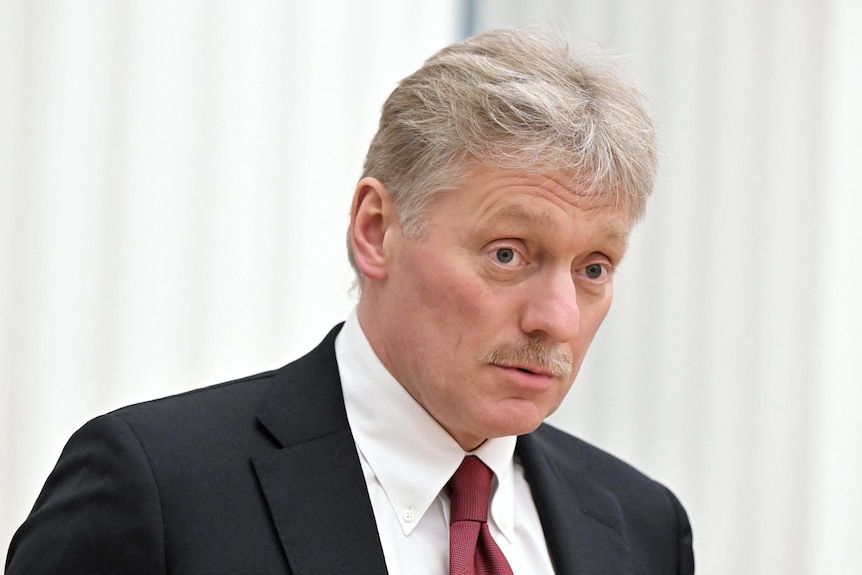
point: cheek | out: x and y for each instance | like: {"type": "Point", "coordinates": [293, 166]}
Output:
{"type": "Point", "coordinates": [594, 312]}
{"type": "Point", "coordinates": [430, 311]}
{"type": "Point", "coordinates": [450, 291]}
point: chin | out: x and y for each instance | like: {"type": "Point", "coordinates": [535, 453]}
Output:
{"type": "Point", "coordinates": [518, 426]}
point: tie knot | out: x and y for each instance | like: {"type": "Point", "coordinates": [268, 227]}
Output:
{"type": "Point", "coordinates": [469, 491]}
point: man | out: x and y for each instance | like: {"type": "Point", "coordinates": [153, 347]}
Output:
{"type": "Point", "coordinates": [496, 203]}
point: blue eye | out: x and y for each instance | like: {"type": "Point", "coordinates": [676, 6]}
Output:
{"type": "Point", "coordinates": [505, 255]}
{"type": "Point", "coordinates": [594, 271]}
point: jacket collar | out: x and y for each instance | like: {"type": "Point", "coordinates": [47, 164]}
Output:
{"type": "Point", "coordinates": [314, 483]}
{"type": "Point", "coordinates": [582, 521]}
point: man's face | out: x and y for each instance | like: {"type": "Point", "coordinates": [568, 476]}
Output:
{"type": "Point", "coordinates": [486, 319]}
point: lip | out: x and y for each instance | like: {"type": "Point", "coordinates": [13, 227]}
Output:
{"type": "Point", "coordinates": [527, 378]}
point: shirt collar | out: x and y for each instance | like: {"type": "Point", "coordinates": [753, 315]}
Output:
{"type": "Point", "coordinates": [411, 455]}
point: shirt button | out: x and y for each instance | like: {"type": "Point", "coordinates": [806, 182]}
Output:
{"type": "Point", "coordinates": [409, 515]}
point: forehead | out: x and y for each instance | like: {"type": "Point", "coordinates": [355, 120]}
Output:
{"type": "Point", "coordinates": [538, 199]}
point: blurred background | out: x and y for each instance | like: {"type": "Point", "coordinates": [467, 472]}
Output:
{"type": "Point", "coordinates": [175, 179]}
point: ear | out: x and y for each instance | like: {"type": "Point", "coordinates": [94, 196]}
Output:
{"type": "Point", "coordinates": [372, 217]}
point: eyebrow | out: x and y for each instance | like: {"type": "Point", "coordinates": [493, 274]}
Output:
{"type": "Point", "coordinates": [519, 215]}
{"type": "Point", "coordinates": [522, 215]}
{"type": "Point", "coordinates": [621, 240]}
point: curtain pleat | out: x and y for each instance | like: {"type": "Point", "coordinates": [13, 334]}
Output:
{"type": "Point", "coordinates": [729, 365]}
{"type": "Point", "coordinates": [175, 185]}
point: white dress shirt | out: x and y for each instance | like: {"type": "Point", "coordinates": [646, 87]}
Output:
{"type": "Point", "coordinates": [408, 458]}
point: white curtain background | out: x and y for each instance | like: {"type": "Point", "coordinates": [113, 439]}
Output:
{"type": "Point", "coordinates": [174, 189]}
{"type": "Point", "coordinates": [730, 366]}
{"type": "Point", "coordinates": [176, 180]}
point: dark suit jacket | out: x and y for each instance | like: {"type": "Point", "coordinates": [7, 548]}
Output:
{"type": "Point", "coordinates": [261, 475]}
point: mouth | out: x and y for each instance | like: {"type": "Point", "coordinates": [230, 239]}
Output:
{"type": "Point", "coordinates": [525, 381]}
{"type": "Point", "coordinates": [526, 372]}
{"type": "Point", "coordinates": [527, 369]}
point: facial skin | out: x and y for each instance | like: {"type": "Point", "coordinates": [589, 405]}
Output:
{"type": "Point", "coordinates": [510, 261]}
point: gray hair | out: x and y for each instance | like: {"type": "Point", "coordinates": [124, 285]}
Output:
{"type": "Point", "coordinates": [512, 99]}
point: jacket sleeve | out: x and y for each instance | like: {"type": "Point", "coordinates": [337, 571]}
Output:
{"type": "Point", "coordinates": [685, 552]}
{"type": "Point", "coordinates": [99, 512]}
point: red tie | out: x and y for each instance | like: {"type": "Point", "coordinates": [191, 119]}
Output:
{"type": "Point", "coordinates": [472, 551]}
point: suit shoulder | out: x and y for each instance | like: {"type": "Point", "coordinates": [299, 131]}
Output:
{"type": "Point", "coordinates": [208, 422]}
{"type": "Point", "coordinates": [583, 458]}
{"type": "Point", "coordinates": [559, 466]}
{"type": "Point", "coordinates": [230, 397]}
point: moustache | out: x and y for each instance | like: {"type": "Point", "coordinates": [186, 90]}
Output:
{"type": "Point", "coordinates": [533, 354]}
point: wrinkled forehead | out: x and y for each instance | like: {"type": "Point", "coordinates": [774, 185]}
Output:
{"type": "Point", "coordinates": [579, 187]}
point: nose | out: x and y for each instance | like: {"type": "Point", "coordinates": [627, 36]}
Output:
{"type": "Point", "coordinates": [551, 307]}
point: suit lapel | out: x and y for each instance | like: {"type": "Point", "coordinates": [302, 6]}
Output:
{"type": "Point", "coordinates": [314, 484]}
{"type": "Point", "coordinates": [582, 522]}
